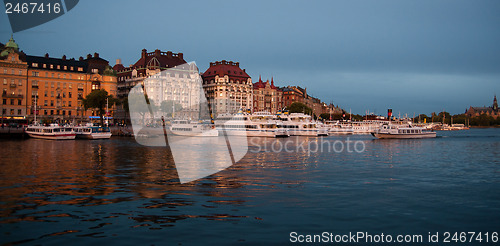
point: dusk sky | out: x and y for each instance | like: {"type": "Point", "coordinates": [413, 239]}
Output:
{"type": "Point", "coordinates": [411, 56]}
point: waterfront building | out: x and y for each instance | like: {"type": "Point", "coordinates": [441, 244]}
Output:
{"type": "Point", "coordinates": [228, 88]}
{"type": "Point", "coordinates": [13, 77]}
{"type": "Point", "coordinates": [149, 64]}
{"type": "Point", "coordinates": [267, 97]}
{"type": "Point", "coordinates": [56, 85]}
{"type": "Point", "coordinates": [293, 94]}
{"type": "Point", "coordinates": [490, 111]}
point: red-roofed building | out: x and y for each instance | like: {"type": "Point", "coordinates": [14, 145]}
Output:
{"type": "Point", "coordinates": [267, 97]}
{"type": "Point", "coordinates": [149, 64]}
{"type": "Point", "coordinates": [228, 87]}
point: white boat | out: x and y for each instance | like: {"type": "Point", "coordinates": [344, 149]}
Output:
{"type": "Point", "coordinates": [260, 124]}
{"type": "Point", "coordinates": [52, 131]}
{"type": "Point", "coordinates": [362, 127]}
{"type": "Point", "coordinates": [188, 128]}
{"type": "Point", "coordinates": [299, 124]}
{"type": "Point", "coordinates": [335, 128]}
{"type": "Point", "coordinates": [90, 131]}
{"type": "Point", "coordinates": [388, 130]}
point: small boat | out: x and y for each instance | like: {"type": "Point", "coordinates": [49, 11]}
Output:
{"type": "Point", "coordinates": [188, 128]}
{"type": "Point", "coordinates": [90, 131]}
{"type": "Point", "coordinates": [52, 131]}
{"type": "Point", "coordinates": [388, 130]}
{"type": "Point", "coordinates": [299, 124]}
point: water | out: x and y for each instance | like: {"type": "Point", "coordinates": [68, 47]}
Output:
{"type": "Point", "coordinates": [117, 191]}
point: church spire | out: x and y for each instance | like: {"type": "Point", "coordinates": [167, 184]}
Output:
{"type": "Point", "coordinates": [495, 103]}
{"type": "Point", "coordinates": [260, 79]}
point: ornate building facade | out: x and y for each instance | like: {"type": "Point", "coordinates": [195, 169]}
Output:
{"type": "Point", "coordinates": [267, 97]}
{"type": "Point", "coordinates": [56, 85]}
{"type": "Point", "coordinates": [490, 111]}
{"type": "Point", "coordinates": [228, 88]}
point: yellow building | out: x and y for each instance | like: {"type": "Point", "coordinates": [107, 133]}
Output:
{"type": "Point", "coordinates": [56, 85]}
{"type": "Point", "coordinates": [13, 76]}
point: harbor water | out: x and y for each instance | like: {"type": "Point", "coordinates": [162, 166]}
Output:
{"type": "Point", "coordinates": [116, 191]}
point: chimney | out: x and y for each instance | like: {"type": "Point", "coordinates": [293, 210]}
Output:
{"type": "Point", "coordinates": [96, 55]}
{"type": "Point", "coordinates": [157, 52]}
{"type": "Point", "coordinates": [80, 59]}
{"type": "Point", "coordinates": [181, 56]}
{"type": "Point", "coordinates": [64, 57]}
{"type": "Point", "coordinates": [46, 55]}
{"type": "Point", "coordinates": [169, 54]}
{"type": "Point", "coordinates": [144, 53]}
{"type": "Point", "coordinates": [89, 56]}
{"type": "Point", "coordinates": [118, 61]}
{"type": "Point", "coordinates": [237, 64]}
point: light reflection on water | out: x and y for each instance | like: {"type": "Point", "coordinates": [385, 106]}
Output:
{"type": "Point", "coordinates": [56, 191]}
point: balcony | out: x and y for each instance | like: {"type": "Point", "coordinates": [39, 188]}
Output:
{"type": "Point", "coordinates": [12, 95]}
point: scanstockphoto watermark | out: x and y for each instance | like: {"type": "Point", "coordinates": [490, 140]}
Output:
{"type": "Point", "coordinates": [318, 145]}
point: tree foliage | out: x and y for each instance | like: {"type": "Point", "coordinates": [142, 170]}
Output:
{"type": "Point", "coordinates": [298, 107]}
{"type": "Point", "coordinates": [97, 100]}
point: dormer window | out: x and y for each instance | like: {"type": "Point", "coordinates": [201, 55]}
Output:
{"type": "Point", "coordinates": [34, 64]}
{"type": "Point", "coordinates": [95, 70]}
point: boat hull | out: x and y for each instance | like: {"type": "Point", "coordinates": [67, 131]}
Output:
{"type": "Point", "coordinates": [404, 136]}
{"type": "Point", "coordinates": [94, 136]}
{"type": "Point", "coordinates": [53, 136]}
{"type": "Point", "coordinates": [209, 133]}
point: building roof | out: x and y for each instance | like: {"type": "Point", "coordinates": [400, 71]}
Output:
{"type": "Point", "coordinates": [56, 61]}
{"type": "Point", "coordinates": [261, 84]}
{"type": "Point", "coordinates": [159, 59]}
{"type": "Point", "coordinates": [223, 68]}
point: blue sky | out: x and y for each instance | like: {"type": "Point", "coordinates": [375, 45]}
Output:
{"type": "Point", "coordinates": [413, 56]}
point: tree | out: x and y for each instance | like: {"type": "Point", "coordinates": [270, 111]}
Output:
{"type": "Point", "coordinates": [298, 107]}
{"type": "Point", "coordinates": [97, 100]}
{"type": "Point", "coordinates": [135, 99]}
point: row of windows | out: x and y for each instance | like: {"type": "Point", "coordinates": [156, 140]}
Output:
{"type": "Point", "coordinates": [51, 66]}
{"type": "Point", "coordinates": [53, 75]}
{"type": "Point", "coordinates": [13, 71]}
{"type": "Point", "coordinates": [12, 101]}
{"type": "Point", "coordinates": [46, 103]}
{"type": "Point", "coordinates": [11, 111]}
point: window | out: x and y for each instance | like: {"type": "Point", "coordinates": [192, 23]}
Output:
{"type": "Point", "coordinates": [45, 103]}
{"type": "Point", "coordinates": [58, 66]}
{"type": "Point", "coordinates": [52, 94]}
{"type": "Point", "coordinates": [69, 113]}
{"type": "Point", "coordinates": [44, 65]}
{"type": "Point", "coordinates": [69, 94]}
{"type": "Point", "coordinates": [4, 81]}
{"type": "Point", "coordinates": [20, 72]}
{"type": "Point", "coordinates": [52, 85]}
{"type": "Point", "coordinates": [65, 67]}
{"type": "Point", "coordinates": [34, 64]}
{"type": "Point", "coordinates": [69, 103]}
{"type": "Point", "coordinates": [95, 70]}
{"type": "Point", "coordinates": [51, 103]}
{"type": "Point", "coordinates": [64, 94]}
{"type": "Point", "coordinates": [11, 101]}
{"type": "Point", "coordinates": [45, 112]}
{"type": "Point", "coordinates": [80, 69]}
{"type": "Point", "coordinates": [51, 112]}
{"type": "Point", "coordinates": [4, 101]}
{"type": "Point", "coordinates": [52, 74]}
{"type": "Point", "coordinates": [34, 74]}
{"type": "Point", "coordinates": [19, 112]}
{"type": "Point", "coordinates": [4, 111]}
{"type": "Point", "coordinates": [20, 82]}
{"type": "Point", "coordinates": [12, 111]}
{"type": "Point", "coordinates": [52, 67]}
{"type": "Point", "coordinates": [70, 86]}
{"type": "Point", "coordinates": [19, 101]}
{"type": "Point", "coordinates": [45, 93]}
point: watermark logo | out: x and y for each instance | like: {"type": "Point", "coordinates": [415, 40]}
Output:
{"type": "Point", "coordinates": [169, 109]}
{"type": "Point", "coordinates": [25, 14]}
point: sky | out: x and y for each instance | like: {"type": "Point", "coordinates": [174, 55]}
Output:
{"type": "Point", "coordinates": [366, 56]}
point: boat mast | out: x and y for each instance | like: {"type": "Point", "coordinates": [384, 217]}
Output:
{"type": "Point", "coordinates": [35, 106]}
{"type": "Point", "coordinates": [107, 118]}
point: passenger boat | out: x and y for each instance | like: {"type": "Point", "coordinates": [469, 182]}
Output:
{"type": "Point", "coordinates": [388, 130]}
{"type": "Point", "coordinates": [361, 127]}
{"type": "Point", "coordinates": [193, 129]}
{"type": "Point", "coordinates": [52, 131]}
{"type": "Point", "coordinates": [260, 124]}
{"type": "Point", "coordinates": [90, 131]}
{"type": "Point", "coordinates": [335, 128]}
{"type": "Point", "coordinates": [299, 124]}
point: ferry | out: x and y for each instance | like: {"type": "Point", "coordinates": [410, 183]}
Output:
{"type": "Point", "coordinates": [193, 129]}
{"type": "Point", "coordinates": [299, 124]}
{"type": "Point", "coordinates": [259, 124]}
{"type": "Point", "coordinates": [335, 128]}
{"type": "Point", "coordinates": [388, 130]}
{"type": "Point", "coordinates": [52, 131]}
{"type": "Point", "coordinates": [90, 131]}
{"type": "Point", "coordinates": [362, 127]}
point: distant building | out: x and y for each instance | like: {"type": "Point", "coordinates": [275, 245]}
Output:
{"type": "Point", "coordinates": [267, 97]}
{"type": "Point", "coordinates": [293, 94]}
{"type": "Point", "coordinates": [58, 84]}
{"type": "Point", "coordinates": [490, 111]}
{"type": "Point", "coordinates": [228, 88]}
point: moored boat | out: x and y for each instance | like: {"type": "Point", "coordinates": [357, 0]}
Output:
{"type": "Point", "coordinates": [188, 128]}
{"type": "Point", "coordinates": [90, 131]}
{"type": "Point", "coordinates": [52, 131]}
{"type": "Point", "coordinates": [402, 132]}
